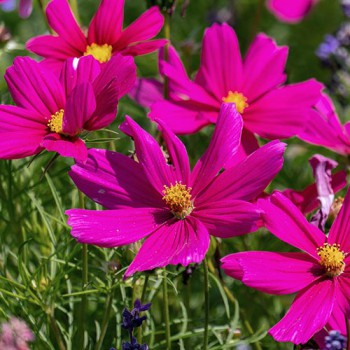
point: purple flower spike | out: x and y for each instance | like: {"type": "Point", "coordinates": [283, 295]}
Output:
{"type": "Point", "coordinates": [335, 341]}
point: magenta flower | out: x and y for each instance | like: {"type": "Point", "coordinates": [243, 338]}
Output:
{"type": "Point", "coordinates": [324, 128]}
{"type": "Point", "coordinates": [105, 36]}
{"type": "Point", "coordinates": [176, 209]}
{"type": "Point", "coordinates": [255, 84]}
{"type": "Point", "coordinates": [51, 113]}
{"type": "Point", "coordinates": [291, 11]}
{"type": "Point", "coordinates": [320, 276]}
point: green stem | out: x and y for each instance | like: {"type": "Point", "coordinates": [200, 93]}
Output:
{"type": "Point", "coordinates": [84, 303]}
{"type": "Point", "coordinates": [105, 321]}
{"type": "Point", "coordinates": [166, 310]}
{"type": "Point", "coordinates": [75, 9]}
{"type": "Point", "coordinates": [56, 332]}
{"type": "Point", "coordinates": [257, 18]}
{"type": "Point", "coordinates": [42, 5]}
{"type": "Point", "coordinates": [144, 289]}
{"type": "Point", "coordinates": [206, 305]}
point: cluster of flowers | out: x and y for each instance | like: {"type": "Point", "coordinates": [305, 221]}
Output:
{"type": "Point", "coordinates": [155, 195]}
{"type": "Point", "coordinates": [15, 335]}
{"type": "Point", "coordinates": [334, 54]}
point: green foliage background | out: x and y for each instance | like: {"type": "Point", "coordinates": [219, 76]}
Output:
{"type": "Point", "coordinates": [40, 264]}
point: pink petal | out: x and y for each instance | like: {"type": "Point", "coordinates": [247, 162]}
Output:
{"type": "Point", "coordinates": [342, 304]}
{"type": "Point", "coordinates": [228, 218]}
{"type": "Point", "coordinates": [119, 68]}
{"type": "Point", "coordinates": [324, 128]}
{"type": "Point", "coordinates": [61, 19]}
{"type": "Point", "coordinates": [77, 71]}
{"type": "Point", "coordinates": [106, 26]}
{"type": "Point", "coordinates": [20, 144]}
{"type": "Point", "coordinates": [308, 314]}
{"type": "Point", "coordinates": [21, 132]}
{"type": "Point", "coordinates": [52, 46]}
{"type": "Point", "coordinates": [113, 228]}
{"type": "Point", "coordinates": [181, 117]}
{"type": "Point", "coordinates": [231, 266]}
{"type": "Point", "coordinates": [74, 147]}
{"type": "Point", "coordinates": [246, 180]}
{"type": "Point", "coordinates": [290, 11]}
{"type": "Point", "coordinates": [221, 63]}
{"type": "Point", "coordinates": [321, 168]}
{"type": "Point", "coordinates": [177, 242]}
{"type": "Point", "coordinates": [146, 91]}
{"type": "Point", "coordinates": [106, 109]}
{"type": "Point", "coordinates": [340, 230]}
{"type": "Point", "coordinates": [80, 106]}
{"type": "Point", "coordinates": [181, 85]}
{"type": "Point", "coordinates": [13, 118]}
{"type": "Point", "coordinates": [287, 272]}
{"type": "Point", "coordinates": [147, 26]}
{"type": "Point", "coordinates": [264, 67]}
{"type": "Point", "coordinates": [25, 8]}
{"type": "Point", "coordinates": [34, 88]}
{"type": "Point", "coordinates": [150, 156]}
{"type": "Point", "coordinates": [283, 112]}
{"type": "Point", "coordinates": [223, 146]}
{"type": "Point", "coordinates": [249, 144]}
{"type": "Point", "coordinates": [115, 181]}
{"type": "Point", "coordinates": [287, 223]}
{"type": "Point", "coordinates": [177, 153]}
{"type": "Point", "coordinates": [143, 48]}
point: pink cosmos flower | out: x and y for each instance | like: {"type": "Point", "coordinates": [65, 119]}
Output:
{"type": "Point", "coordinates": [255, 84]}
{"type": "Point", "coordinates": [51, 113]}
{"type": "Point", "coordinates": [105, 36]}
{"type": "Point", "coordinates": [324, 128]}
{"type": "Point", "coordinates": [291, 11]}
{"type": "Point", "coordinates": [320, 276]}
{"type": "Point", "coordinates": [176, 209]}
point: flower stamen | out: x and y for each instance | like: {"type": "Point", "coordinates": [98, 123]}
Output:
{"type": "Point", "coordinates": [238, 99]}
{"type": "Point", "coordinates": [56, 122]}
{"type": "Point", "coordinates": [332, 259]}
{"type": "Point", "coordinates": [178, 199]}
{"type": "Point", "coordinates": [101, 53]}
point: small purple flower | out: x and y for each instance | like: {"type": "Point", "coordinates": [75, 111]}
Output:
{"type": "Point", "coordinates": [345, 4]}
{"type": "Point", "coordinates": [343, 34]}
{"type": "Point", "coordinates": [132, 319]}
{"type": "Point", "coordinates": [328, 47]}
{"type": "Point", "coordinates": [335, 341]}
{"type": "Point", "coordinates": [134, 345]}
{"type": "Point", "coordinates": [25, 6]}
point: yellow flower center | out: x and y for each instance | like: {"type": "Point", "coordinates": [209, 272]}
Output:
{"type": "Point", "coordinates": [332, 259]}
{"type": "Point", "coordinates": [238, 99]}
{"type": "Point", "coordinates": [178, 199]}
{"type": "Point", "coordinates": [56, 121]}
{"type": "Point", "coordinates": [102, 53]}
